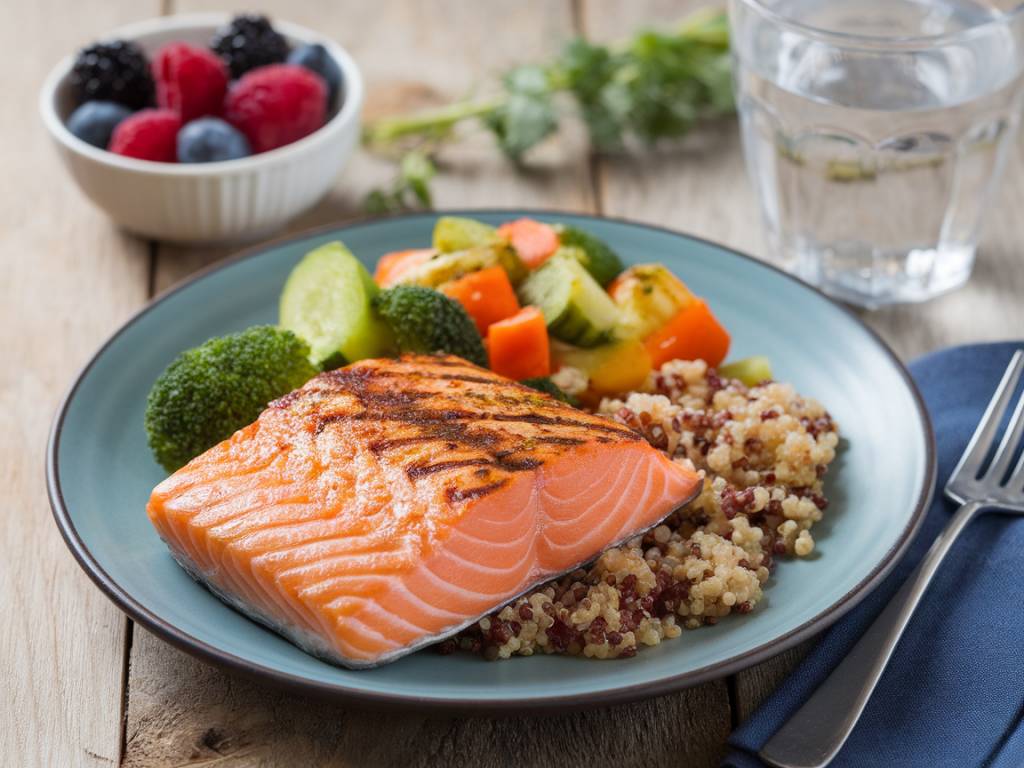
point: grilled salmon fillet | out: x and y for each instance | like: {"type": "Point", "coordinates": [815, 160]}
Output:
{"type": "Point", "coordinates": [388, 504]}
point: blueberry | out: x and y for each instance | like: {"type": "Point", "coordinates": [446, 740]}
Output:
{"type": "Point", "coordinates": [94, 122]}
{"type": "Point", "coordinates": [316, 59]}
{"type": "Point", "coordinates": [210, 140]}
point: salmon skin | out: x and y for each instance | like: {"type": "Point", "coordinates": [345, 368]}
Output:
{"type": "Point", "coordinates": [387, 505]}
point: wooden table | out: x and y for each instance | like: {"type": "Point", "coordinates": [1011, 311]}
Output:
{"type": "Point", "coordinates": [82, 685]}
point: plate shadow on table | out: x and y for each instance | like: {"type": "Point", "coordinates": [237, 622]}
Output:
{"type": "Point", "coordinates": [241, 722]}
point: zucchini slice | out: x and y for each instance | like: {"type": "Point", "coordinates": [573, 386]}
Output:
{"type": "Point", "coordinates": [445, 267]}
{"type": "Point", "coordinates": [327, 300]}
{"type": "Point", "coordinates": [456, 233]}
{"type": "Point", "coordinates": [576, 308]}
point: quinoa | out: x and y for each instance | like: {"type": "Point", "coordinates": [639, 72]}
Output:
{"type": "Point", "coordinates": [762, 452]}
{"type": "Point", "coordinates": [570, 380]}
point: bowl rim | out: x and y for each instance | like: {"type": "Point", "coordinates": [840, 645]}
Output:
{"type": "Point", "coordinates": [349, 112]}
{"type": "Point", "coordinates": [556, 703]}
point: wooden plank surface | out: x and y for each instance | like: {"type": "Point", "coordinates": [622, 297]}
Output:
{"type": "Point", "coordinates": [699, 187]}
{"type": "Point", "coordinates": [412, 56]}
{"type": "Point", "coordinates": [702, 188]}
{"type": "Point", "coordinates": [68, 280]}
{"type": "Point", "coordinates": [180, 711]}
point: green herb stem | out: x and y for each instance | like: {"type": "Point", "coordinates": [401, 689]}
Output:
{"type": "Point", "coordinates": [704, 26]}
{"type": "Point", "coordinates": [434, 121]}
{"type": "Point", "coordinates": [650, 88]}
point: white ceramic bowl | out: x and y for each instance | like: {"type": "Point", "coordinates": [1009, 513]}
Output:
{"type": "Point", "coordinates": [208, 202]}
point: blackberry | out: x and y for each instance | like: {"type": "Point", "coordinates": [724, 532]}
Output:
{"type": "Point", "coordinates": [247, 42]}
{"type": "Point", "coordinates": [115, 71]}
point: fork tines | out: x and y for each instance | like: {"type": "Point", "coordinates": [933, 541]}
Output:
{"type": "Point", "coordinates": [972, 469]}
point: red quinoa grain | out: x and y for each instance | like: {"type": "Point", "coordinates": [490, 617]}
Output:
{"type": "Point", "coordinates": [762, 450]}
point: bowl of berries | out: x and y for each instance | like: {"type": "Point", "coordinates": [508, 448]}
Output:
{"type": "Point", "coordinates": [205, 128]}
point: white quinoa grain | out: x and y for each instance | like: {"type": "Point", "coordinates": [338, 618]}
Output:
{"type": "Point", "coordinates": [761, 452]}
{"type": "Point", "coordinates": [570, 380]}
{"type": "Point", "coordinates": [804, 544]}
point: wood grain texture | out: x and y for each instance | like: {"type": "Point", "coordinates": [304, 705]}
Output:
{"type": "Point", "coordinates": [701, 188]}
{"type": "Point", "coordinates": [183, 712]}
{"type": "Point", "coordinates": [68, 279]}
{"type": "Point", "coordinates": [692, 187]}
{"type": "Point", "coordinates": [752, 686]}
{"type": "Point", "coordinates": [412, 56]}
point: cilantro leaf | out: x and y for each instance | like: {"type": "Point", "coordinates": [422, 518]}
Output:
{"type": "Point", "coordinates": [528, 115]}
{"type": "Point", "coordinates": [652, 89]}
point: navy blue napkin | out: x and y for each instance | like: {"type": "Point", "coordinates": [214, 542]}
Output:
{"type": "Point", "coordinates": [953, 694]}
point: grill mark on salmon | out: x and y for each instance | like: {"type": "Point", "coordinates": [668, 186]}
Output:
{"type": "Point", "coordinates": [379, 509]}
{"type": "Point", "coordinates": [423, 416]}
{"type": "Point", "coordinates": [556, 440]}
{"type": "Point", "coordinates": [417, 471]}
{"type": "Point", "coordinates": [456, 495]}
{"type": "Point", "coordinates": [537, 418]}
{"type": "Point", "coordinates": [519, 465]}
{"type": "Point", "coordinates": [464, 377]}
{"type": "Point", "coordinates": [423, 470]}
{"type": "Point", "coordinates": [427, 416]}
{"type": "Point", "coordinates": [452, 434]}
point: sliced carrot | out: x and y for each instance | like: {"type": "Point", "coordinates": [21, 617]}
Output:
{"type": "Point", "coordinates": [694, 333]}
{"type": "Point", "coordinates": [534, 241]}
{"type": "Point", "coordinates": [390, 266]}
{"type": "Point", "coordinates": [518, 345]}
{"type": "Point", "coordinates": [487, 295]}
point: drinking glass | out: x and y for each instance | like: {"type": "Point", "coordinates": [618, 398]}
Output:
{"type": "Point", "coordinates": [875, 132]}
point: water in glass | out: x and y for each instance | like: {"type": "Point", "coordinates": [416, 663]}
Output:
{"type": "Point", "coordinates": [875, 131]}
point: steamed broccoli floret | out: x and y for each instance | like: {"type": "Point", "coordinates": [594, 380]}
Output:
{"type": "Point", "coordinates": [211, 391]}
{"type": "Point", "coordinates": [599, 259]}
{"type": "Point", "coordinates": [425, 320]}
{"type": "Point", "coordinates": [548, 387]}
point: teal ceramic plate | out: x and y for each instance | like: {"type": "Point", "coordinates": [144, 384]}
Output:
{"type": "Point", "coordinates": [100, 474]}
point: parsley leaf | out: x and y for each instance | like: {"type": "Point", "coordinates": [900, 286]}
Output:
{"type": "Point", "coordinates": [528, 115]}
{"type": "Point", "coordinates": [650, 90]}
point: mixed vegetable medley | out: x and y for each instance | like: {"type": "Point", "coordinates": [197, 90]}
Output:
{"type": "Point", "coordinates": [548, 305]}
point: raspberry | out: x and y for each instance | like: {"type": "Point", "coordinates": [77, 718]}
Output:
{"type": "Point", "coordinates": [276, 105]}
{"type": "Point", "coordinates": [148, 135]}
{"type": "Point", "coordinates": [190, 80]}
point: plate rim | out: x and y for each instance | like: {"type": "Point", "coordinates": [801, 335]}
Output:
{"type": "Point", "coordinates": [202, 650]}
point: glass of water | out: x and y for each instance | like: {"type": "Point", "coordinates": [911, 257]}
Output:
{"type": "Point", "coordinates": [875, 132]}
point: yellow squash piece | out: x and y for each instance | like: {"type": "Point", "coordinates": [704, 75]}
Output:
{"type": "Point", "coordinates": [621, 366]}
{"type": "Point", "coordinates": [648, 296]}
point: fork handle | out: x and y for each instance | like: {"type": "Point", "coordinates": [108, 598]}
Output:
{"type": "Point", "coordinates": [817, 731]}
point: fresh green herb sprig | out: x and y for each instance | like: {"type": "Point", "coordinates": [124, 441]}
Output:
{"type": "Point", "coordinates": [650, 90]}
{"type": "Point", "coordinates": [410, 188]}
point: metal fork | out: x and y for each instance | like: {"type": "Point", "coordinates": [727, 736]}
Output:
{"type": "Point", "coordinates": [813, 736]}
